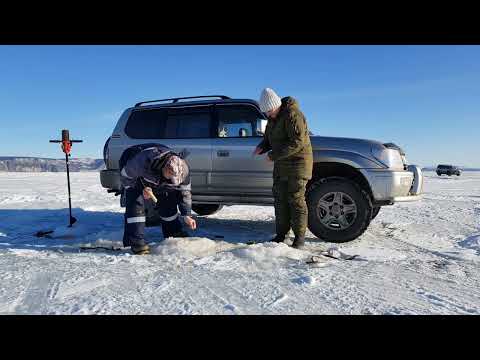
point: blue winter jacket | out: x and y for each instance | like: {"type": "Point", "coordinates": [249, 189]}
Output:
{"type": "Point", "coordinates": [139, 167]}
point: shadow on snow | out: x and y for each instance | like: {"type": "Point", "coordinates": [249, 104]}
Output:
{"type": "Point", "coordinates": [18, 228]}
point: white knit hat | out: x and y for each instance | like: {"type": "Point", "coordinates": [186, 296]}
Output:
{"type": "Point", "coordinates": [179, 168]}
{"type": "Point", "coordinates": [269, 100]}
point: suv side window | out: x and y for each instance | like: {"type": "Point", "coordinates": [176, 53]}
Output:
{"type": "Point", "coordinates": [146, 124]}
{"type": "Point", "coordinates": [237, 121]}
{"type": "Point", "coordinates": [189, 122]}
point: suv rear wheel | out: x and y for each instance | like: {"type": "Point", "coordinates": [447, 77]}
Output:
{"type": "Point", "coordinates": [206, 209]}
{"type": "Point", "coordinates": [338, 210]}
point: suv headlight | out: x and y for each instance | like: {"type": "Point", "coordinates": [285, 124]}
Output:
{"type": "Point", "coordinates": [391, 158]}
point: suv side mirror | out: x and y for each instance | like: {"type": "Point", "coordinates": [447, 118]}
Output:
{"type": "Point", "coordinates": [261, 126]}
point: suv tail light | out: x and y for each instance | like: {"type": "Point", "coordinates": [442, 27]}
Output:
{"type": "Point", "coordinates": [106, 152]}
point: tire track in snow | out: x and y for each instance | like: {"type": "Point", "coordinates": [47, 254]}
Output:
{"type": "Point", "coordinates": [37, 294]}
{"type": "Point", "coordinates": [425, 266]}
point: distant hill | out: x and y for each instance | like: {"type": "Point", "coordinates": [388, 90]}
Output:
{"type": "Point", "coordinates": [35, 164]}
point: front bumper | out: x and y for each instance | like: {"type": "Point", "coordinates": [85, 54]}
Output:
{"type": "Point", "coordinates": [407, 198]}
{"type": "Point", "coordinates": [396, 186]}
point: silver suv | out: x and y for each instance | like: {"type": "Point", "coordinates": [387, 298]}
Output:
{"type": "Point", "coordinates": [352, 178]}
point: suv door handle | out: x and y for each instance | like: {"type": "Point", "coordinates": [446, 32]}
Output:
{"type": "Point", "coordinates": [223, 153]}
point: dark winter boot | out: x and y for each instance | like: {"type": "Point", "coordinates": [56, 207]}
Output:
{"type": "Point", "coordinates": [278, 239]}
{"type": "Point", "coordinates": [299, 242]}
{"type": "Point", "coordinates": [141, 249]}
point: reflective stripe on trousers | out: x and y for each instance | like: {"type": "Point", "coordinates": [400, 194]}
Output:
{"type": "Point", "coordinates": [137, 219]}
{"type": "Point", "coordinates": [169, 218]}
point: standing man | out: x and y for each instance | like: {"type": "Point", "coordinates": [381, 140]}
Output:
{"type": "Point", "coordinates": [287, 142]}
{"type": "Point", "coordinates": [158, 167]}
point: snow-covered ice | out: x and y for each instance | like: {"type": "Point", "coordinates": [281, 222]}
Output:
{"type": "Point", "coordinates": [415, 258]}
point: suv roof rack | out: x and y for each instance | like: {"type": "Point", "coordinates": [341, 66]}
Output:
{"type": "Point", "coordinates": [174, 100]}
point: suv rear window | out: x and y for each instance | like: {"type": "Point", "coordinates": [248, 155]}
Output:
{"type": "Point", "coordinates": [146, 124]}
{"type": "Point", "coordinates": [193, 122]}
{"type": "Point", "coordinates": [169, 123]}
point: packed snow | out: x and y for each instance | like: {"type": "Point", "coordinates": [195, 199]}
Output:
{"type": "Point", "coordinates": [415, 258]}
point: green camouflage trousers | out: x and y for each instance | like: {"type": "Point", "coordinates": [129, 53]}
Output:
{"type": "Point", "coordinates": [290, 206]}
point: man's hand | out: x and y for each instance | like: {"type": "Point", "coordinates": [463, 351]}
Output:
{"type": "Point", "coordinates": [148, 194]}
{"type": "Point", "coordinates": [191, 223]}
{"type": "Point", "coordinates": [257, 151]}
{"type": "Point", "coordinates": [269, 156]}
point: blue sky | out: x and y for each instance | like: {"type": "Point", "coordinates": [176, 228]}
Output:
{"type": "Point", "coordinates": [424, 98]}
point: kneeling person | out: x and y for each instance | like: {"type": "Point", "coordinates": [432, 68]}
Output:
{"type": "Point", "coordinates": [155, 169]}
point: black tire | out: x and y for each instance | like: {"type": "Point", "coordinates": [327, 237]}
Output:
{"type": "Point", "coordinates": [439, 174]}
{"type": "Point", "coordinates": [375, 212]}
{"type": "Point", "coordinates": [206, 209]}
{"type": "Point", "coordinates": [321, 189]}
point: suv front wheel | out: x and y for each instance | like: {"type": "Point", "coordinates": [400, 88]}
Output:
{"type": "Point", "coordinates": [338, 210]}
{"type": "Point", "coordinates": [375, 212]}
